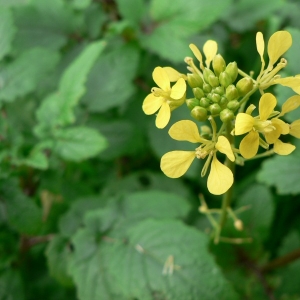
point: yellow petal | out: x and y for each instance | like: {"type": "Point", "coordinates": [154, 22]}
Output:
{"type": "Point", "coordinates": [197, 53]}
{"type": "Point", "coordinates": [210, 50]}
{"type": "Point", "coordinates": [161, 78]}
{"type": "Point", "coordinates": [223, 146]}
{"type": "Point", "coordinates": [285, 128]}
{"type": "Point", "coordinates": [278, 44]}
{"type": "Point", "coordinates": [220, 178]}
{"type": "Point", "coordinates": [249, 144]}
{"type": "Point", "coordinates": [243, 123]}
{"type": "Point", "coordinates": [186, 130]}
{"type": "Point", "coordinates": [260, 46]}
{"type": "Point", "coordinates": [295, 129]}
{"type": "Point", "coordinates": [250, 109]}
{"type": "Point", "coordinates": [283, 148]}
{"type": "Point", "coordinates": [178, 89]}
{"type": "Point", "coordinates": [163, 116]}
{"type": "Point", "coordinates": [172, 74]}
{"type": "Point", "coordinates": [290, 104]}
{"type": "Point", "coordinates": [272, 136]}
{"type": "Point", "coordinates": [267, 104]}
{"type": "Point", "coordinates": [175, 163]}
{"type": "Point", "coordinates": [152, 104]}
{"type": "Point", "coordinates": [292, 82]}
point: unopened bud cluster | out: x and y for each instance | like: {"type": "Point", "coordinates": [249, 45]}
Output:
{"type": "Point", "coordinates": [214, 91]}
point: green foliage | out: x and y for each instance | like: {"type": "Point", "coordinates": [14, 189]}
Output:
{"type": "Point", "coordinates": [85, 211]}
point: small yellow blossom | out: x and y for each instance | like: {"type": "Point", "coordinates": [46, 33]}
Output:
{"type": "Point", "coordinates": [278, 44]}
{"type": "Point", "coordinates": [165, 98]}
{"type": "Point", "coordinates": [268, 124]}
{"type": "Point", "coordinates": [175, 163]}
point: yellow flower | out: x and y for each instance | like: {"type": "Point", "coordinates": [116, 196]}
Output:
{"type": "Point", "coordinates": [175, 163]}
{"type": "Point", "coordinates": [278, 44]}
{"type": "Point", "coordinates": [165, 98]}
{"type": "Point", "coordinates": [266, 123]}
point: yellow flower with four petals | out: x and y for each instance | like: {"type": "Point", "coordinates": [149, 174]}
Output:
{"type": "Point", "coordinates": [165, 98]}
{"type": "Point", "coordinates": [175, 163]}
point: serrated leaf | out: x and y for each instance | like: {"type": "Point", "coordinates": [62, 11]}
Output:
{"type": "Point", "coordinates": [7, 31]}
{"type": "Point", "coordinates": [132, 10]}
{"type": "Point", "coordinates": [21, 76]}
{"type": "Point", "coordinates": [131, 266]}
{"type": "Point", "coordinates": [106, 90]}
{"type": "Point", "coordinates": [57, 108]}
{"type": "Point", "coordinates": [78, 143]}
{"type": "Point", "coordinates": [57, 253]}
{"type": "Point", "coordinates": [283, 172]}
{"type": "Point", "coordinates": [11, 286]}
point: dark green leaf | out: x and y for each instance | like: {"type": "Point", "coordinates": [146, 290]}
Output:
{"type": "Point", "coordinates": [11, 287]}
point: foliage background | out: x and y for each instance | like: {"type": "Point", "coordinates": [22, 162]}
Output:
{"type": "Point", "coordinates": [85, 212]}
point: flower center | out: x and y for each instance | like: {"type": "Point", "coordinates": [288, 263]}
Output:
{"type": "Point", "coordinates": [264, 126]}
{"type": "Point", "coordinates": [203, 150]}
{"type": "Point", "coordinates": [160, 93]}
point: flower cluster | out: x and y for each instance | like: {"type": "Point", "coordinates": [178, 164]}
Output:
{"type": "Point", "coordinates": [218, 93]}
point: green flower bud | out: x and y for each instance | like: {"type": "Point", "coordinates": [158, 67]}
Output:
{"type": "Point", "coordinates": [232, 70]}
{"type": "Point", "coordinates": [244, 86]}
{"type": "Point", "coordinates": [194, 80]}
{"type": "Point", "coordinates": [219, 64]}
{"type": "Point", "coordinates": [213, 81]}
{"type": "Point", "coordinates": [223, 102]}
{"type": "Point", "coordinates": [198, 93]}
{"type": "Point", "coordinates": [226, 115]}
{"type": "Point", "coordinates": [231, 92]}
{"type": "Point", "coordinates": [215, 98]}
{"type": "Point", "coordinates": [219, 90]}
{"type": "Point", "coordinates": [199, 113]}
{"type": "Point", "coordinates": [215, 109]}
{"type": "Point", "coordinates": [204, 102]}
{"type": "Point", "coordinates": [206, 73]}
{"type": "Point", "coordinates": [225, 79]}
{"type": "Point", "coordinates": [206, 88]}
{"type": "Point", "coordinates": [205, 131]}
{"type": "Point", "coordinates": [233, 105]}
{"type": "Point", "coordinates": [191, 103]}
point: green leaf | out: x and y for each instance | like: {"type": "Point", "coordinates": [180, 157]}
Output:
{"type": "Point", "coordinates": [8, 3]}
{"type": "Point", "coordinates": [7, 31]}
{"type": "Point", "coordinates": [37, 159]}
{"type": "Point", "coordinates": [57, 253]}
{"type": "Point", "coordinates": [283, 172]}
{"type": "Point", "coordinates": [131, 266]}
{"type": "Point", "coordinates": [78, 143]}
{"type": "Point", "coordinates": [110, 81]}
{"type": "Point", "coordinates": [21, 76]}
{"type": "Point", "coordinates": [81, 4]}
{"type": "Point", "coordinates": [57, 108]}
{"type": "Point", "coordinates": [23, 215]}
{"type": "Point", "coordinates": [132, 10]}
{"type": "Point", "coordinates": [11, 287]}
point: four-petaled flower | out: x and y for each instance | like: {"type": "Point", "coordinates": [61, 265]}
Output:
{"type": "Point", "coordinates": [268, 124]}
{"type": "Point", "coordinates": [165, 98]}
{"type": "Point", "coordinates": [175, 163]}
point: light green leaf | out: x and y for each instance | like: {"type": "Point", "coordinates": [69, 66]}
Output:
{"type": "Point", "coordinates": [131, 265]}
{"type": "Point", "coordinates": [106, 90]}
{"type": "Point", "coordinates": [57, 108]}
{"type": "Point", "coordinates": [11, 287]}
{"type": "Point", "coordinates": [78, 143]}
{"type": "Point", "coordinates": [57, 253]}
{"type": "Point", "coordinates": [37, 159]}
{"type": "Point", "coordinates": [132, 10]}
{"type": "Point", "coordinates": [81, 4]}
{"type": "Point", "coordinates": [8, 3]}
{"type": "Point", "coordinates": [283, 172]}
{"type": "Point", "coordinates": [21, 76]}
{"type": "Point", "coordinates": [7, 31]}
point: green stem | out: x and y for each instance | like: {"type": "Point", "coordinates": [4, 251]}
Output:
{"type": "Point", "coordinates": [267, 153]}
{"type": "Point", "coordinates": [246, 97]}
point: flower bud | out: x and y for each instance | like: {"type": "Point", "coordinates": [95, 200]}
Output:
{"type": "Point", "coordinates": [215, 109]}
{"type": "Point", "coordinates": [194, 80]}
{"type": "Point", "coordinates": [219, 64]}
{"type": "Point", "coordinates": [232, 70]}
{"type": "Point", "coordinates": [199, 113]}
{"type": "Point", "coordinates": [206, 88]}
{"type": "Point", "coordinates": [219, 90]}
{"type": "Point", "coordinates": [205, 131]}
{"type": "Point", "coordinates": [215, 97]}
{"type": "Point", "coordinates": [206, 73]}
{"type": "Point", "coordinates": [223, 102]}
{"type": "Point", "coordinates": [213, 80]}
{"type": "Point", "coordinates": [204, 102]}
{"type": "Point", "coordinates": [225, 79]}
{"type": "Point", "coordinates": [191, 103]}
{"type": "Point", "coordinates": [232, 92]}
{"type": "Point", "coordinates": [238, 224]}
{"type": "Point", "coordinates": [244, 86]}
{"type": "Point", "coordinates": [198, 93]}
{"type": "Point", "coordinates": [226, 115]}
{"type": "Point", "coordinates": [233, 105]}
